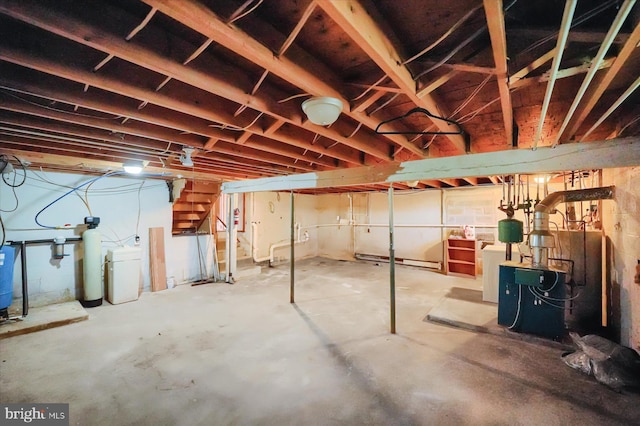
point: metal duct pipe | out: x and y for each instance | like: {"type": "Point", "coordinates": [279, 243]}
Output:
{"type": "Point", "coordinates": [541, 239]}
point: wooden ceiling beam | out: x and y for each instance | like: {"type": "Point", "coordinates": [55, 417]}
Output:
{"type": "Point", "coordinates": [170, 102]}
{"type": "Point", "coordinates": [563, 73]}
{"type": "Point", "coordinates": [573, 156]}
{"type": "Point", "coordinates": [262, 146]}
{"type": "Point", "coordinates": [225, 85]}
{"type": "Point", "coordinates": [354, 19]}
{"type": "Point", "coordinates": [225, 157]}
{"type": "Point", "coordinates": [320, 82]}
{"type": "Point", "coordinates": [110, 103]}
{"type": "Point", "coordinates": [157, 148]}
{"type": "Point", "coordinates": [451, 182]}
{"type": "Point", "coordinates": [139, 129]}
{"type": "Point", "coordinates": [463, 67]}
{"type": "Point", "coordinates": [433, 85]}
{"type": "Point", "coordinates": [67, 129]}
{"type": "Point", "coordinates": [167, 100]}
{"type": "Point", "coordinates": [76, 162]}
{"type": "Point", "coordinates": [495, 21]}
{"type": "Point", "coordinates": [262, 156]}
{"type": "Point", "coordinates": [272, 128]}
{"type": "Point", "coordinates": [365, 103]}
{"type": "Point", "coordinates": [596, 91]}
{"type": "Point", "coordinates": [534, 65]}
{"type": "Point", "coordinates": [471, 180]}
{"type": "Point", "coordinates": [45, 141]}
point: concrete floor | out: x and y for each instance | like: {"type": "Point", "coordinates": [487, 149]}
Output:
{"type": "Point", "coordinates": [222, 354]}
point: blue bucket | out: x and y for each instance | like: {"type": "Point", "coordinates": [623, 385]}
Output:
{"type": "Point", "coordinates": [7, 255]}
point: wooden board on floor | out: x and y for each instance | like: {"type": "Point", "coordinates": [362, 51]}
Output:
{"type": "Point", "coordinates": [42, 318]}
{"type": "Point", "coordinates": [157, 263]}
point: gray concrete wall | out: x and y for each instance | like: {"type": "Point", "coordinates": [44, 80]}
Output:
{"type": "Point", "coordinates": [621, 222]}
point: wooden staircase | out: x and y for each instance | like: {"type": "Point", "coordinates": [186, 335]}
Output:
{"type": "Point", "coordinates": [193, 206]}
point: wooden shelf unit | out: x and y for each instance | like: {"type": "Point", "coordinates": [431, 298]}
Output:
{"type": "Point", "coordinates": [461, 256]}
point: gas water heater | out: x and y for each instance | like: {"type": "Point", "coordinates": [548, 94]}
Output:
{"type": "Point", "coordinates": [92, 263]}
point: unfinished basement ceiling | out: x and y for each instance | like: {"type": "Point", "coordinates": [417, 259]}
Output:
{"type": "Point", "coordinates": [88, 85]}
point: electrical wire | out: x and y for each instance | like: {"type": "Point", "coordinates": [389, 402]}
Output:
{"type": "Point", "coordinates": [459, 47]}
{"type": "Point", "coordinates": [120, 242]}
{"type": "Point", "coordinates": [555, 299]}
{"type": "Point", "coordinates": [471, 96]}
{"type": "Point", "coordinates": [13, 190]}
{"type": "Point", "coordinates": [7, 92]}
{"type": "Point", "coordinates": [69, 192]}
{"type": "Point", "coordinates": [13, 185]}
{"type": "Point", "coordinates": [241, 12]}
{"type": "Point", "coordinates": [537, 296]}
{"type": "Point", "coordinates": [517, 317]}
{"type": "Point", "coordinates": [579, 20]}
{"type": "Point", "coordinates": [444, 36]}
{"type": "Point", "coordinates": [24, 172]}
{"type": "Point", "coordinates": [120, 189]}
{"type": "Point", "coordinates": [139, 209]}
{"type": "Point", "coordinates": [453, 51]}
{"type": "Point", "coordinates": [3, 232]}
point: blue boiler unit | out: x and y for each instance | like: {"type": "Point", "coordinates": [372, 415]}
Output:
{"type": "Point", "coordinates": [532, 300]}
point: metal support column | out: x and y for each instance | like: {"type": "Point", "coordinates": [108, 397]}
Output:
{"type": "Point", "coordinates": [293, 257]}
{"type": "Point", "coordinates": [232, 235]}
{"type": "Point", "coordinates": [392, 264]}
{"type": "Point", "coordinates": [25, 292]}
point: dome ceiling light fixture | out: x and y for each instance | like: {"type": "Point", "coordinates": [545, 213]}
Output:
{"type": "Point", "coordinates": [322, 110]}
{"type": "Point", "coordinates": [185, 158]}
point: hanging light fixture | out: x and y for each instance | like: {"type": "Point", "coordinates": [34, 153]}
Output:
{"type": "Point", "coordinates": [322, 110]}
{"type": "Point", "coordinates": [185, 158]}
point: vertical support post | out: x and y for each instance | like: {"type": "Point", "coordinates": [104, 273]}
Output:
{"type": "Point", "coordinates": [293, 257]}
{"type": "Point", "coordinates": [232, 235]}
{"type": "Point", "coordinates": [25, 291]}
{"type": "Point", "coordinates": [392, 264]}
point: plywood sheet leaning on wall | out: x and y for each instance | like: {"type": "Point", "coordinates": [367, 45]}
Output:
{"type": "Point", "coordinates": [157, 263]}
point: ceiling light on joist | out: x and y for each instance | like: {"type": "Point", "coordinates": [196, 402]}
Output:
{"type": "Point", "coordinates": [185, 158]}
{"type": "Point", "coordinates": [322, 110]}
{"type": "Point", "coordinates": [133, 167]}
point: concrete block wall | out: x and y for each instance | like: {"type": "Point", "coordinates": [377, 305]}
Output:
{"type": "Point", "coordinates": [621, 223]}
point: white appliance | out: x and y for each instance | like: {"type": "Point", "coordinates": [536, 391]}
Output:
{"type": "Point", "coordinates": [492, 257]}
{"type": "Point", "coordinates": [124, 274]}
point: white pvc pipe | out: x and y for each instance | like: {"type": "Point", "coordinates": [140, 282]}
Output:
{"type": "Point", "coordinates": [273, 247]}
{"type": "Point", "coordinates": [271, 256]}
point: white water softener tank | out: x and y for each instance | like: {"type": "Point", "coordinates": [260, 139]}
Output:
{"type": "Point", "coordinates": [92, 263]}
